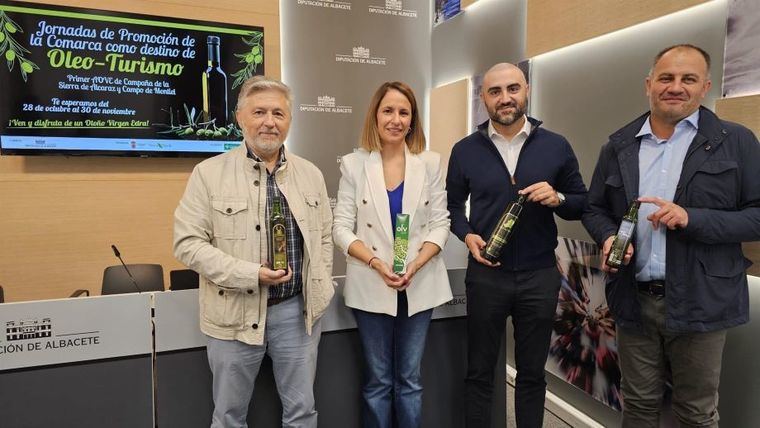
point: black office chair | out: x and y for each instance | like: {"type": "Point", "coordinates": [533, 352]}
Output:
{"type": "Point", "coordinates": [148, 277]}
{"type": "Point", "coordinates": [80, 292]}
{"type": "Point", "coordinates": [184, 279]}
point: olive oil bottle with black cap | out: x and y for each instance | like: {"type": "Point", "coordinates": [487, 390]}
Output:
{"type": "Point", "coordinates": [278, 237]}
{"type": "Point", "coordinates": [624, 236]}
{"type": "Point", "coordinates": [503, 231]}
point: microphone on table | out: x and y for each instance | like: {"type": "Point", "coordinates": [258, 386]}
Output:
{"type": "Point", "coordinates": [118, 254]}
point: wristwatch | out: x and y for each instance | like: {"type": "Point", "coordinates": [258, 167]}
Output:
{"type": "Point", "coordinates": [561, 198]}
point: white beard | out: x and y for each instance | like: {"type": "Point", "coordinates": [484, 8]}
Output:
{"type": "Point", "coordinates": [265, 147]}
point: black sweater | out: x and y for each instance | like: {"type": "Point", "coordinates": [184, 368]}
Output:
{"type": "Point", "coordinates": [477, 170]}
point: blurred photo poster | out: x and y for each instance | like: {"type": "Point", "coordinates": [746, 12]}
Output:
{"type": "Point", "coordinates": [478, 113]}
{"type": "Point", "coordinates": [583, 348]}
{"type": "Point", "coordinates": [741, 65]}
{"type": "Point", "coordinates": [88, 79]}
{"type": "Point", "coordinates": [445, 10]}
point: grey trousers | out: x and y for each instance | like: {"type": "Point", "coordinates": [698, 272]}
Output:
{"type": "Point", "coordinates": [234, 366]}
{"type": "Point", "coordinates": [695, 362]}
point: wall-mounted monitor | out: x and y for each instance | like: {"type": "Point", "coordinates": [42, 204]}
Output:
{"type": "Point", "coordinates": [90, 82]}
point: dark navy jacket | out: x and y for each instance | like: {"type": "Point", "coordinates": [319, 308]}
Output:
{"type": "Point", "coordinates": [705, 280]}
{"type": "Point", "coordinates": [477, 170]}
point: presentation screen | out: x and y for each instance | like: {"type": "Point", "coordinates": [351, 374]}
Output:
{"type": "Point", "coordinates": [79, 81]}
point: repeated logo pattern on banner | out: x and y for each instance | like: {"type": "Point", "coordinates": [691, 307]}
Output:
{"type": "Point", "coordinates": [393, 8]}
{"type": "Point", "coordinates": [330, 4]}
{"type": "Point", "coordinates": [360, 55]}
{"type": "Point", "coordinates": [333, 76]}
{"type": "Point", "coordinates": [326, 104]}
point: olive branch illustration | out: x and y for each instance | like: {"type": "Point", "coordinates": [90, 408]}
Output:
{"type": "Point", "coordinates": [190, 126]}
{"type": "Point", "coordinates": [11, 49]}
{"type": "Point", "coordinates": [251, 59]}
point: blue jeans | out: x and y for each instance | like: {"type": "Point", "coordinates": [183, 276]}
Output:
{"type": "Point", "coordinates": [393, 348]}
{"type": "Point", "coordinates": [235, 365]}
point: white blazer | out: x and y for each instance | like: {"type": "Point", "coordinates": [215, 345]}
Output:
{"type": "Point", "coordinates": [363, 212]}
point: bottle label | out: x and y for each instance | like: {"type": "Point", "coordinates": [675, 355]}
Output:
{"type": "Point", "coordinates": [620, 244]}
{"type": "Point", "coordinates": [279, 246]}
{"type": "Point", "coordinates": [500, 236]}
{"type": "Point", "coordinates": [400, 243]}
{"type": "Point", "coordinates": [626, 229]}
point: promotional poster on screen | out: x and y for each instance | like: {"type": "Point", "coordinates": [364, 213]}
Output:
{"type": "Point", "coordinates": [81, 81]}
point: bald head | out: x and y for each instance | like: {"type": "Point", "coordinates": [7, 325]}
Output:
{"type": "Point", "coordinates": [505, 93]}
{"type": "Point", "coordinates": [504, 68]}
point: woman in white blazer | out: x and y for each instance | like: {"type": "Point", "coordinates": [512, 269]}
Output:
{"type": "Point", "coordinates": [392, 173]}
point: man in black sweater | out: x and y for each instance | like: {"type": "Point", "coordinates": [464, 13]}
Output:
{"type": "Point", "coordinates": [510, 155]}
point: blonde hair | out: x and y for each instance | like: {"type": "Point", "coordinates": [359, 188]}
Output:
{"type": "Point", "coordinates": [370, 139]}
{"type": "Point", "coordinates": [262, 83]}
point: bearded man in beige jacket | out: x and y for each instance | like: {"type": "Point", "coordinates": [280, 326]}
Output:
{"type": "Point", "coordinates": [221, 230]}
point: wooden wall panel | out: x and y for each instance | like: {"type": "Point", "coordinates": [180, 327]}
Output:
{"type": "Point", "coordinates": [59, 215]}
{"type": "Point", "coordinates": [464, 4]}
{"type": "Point", "coordinates": [448, 117]}
{"type": "Point", "coordinates": [744, 110]}
{"type": "Point", "coordinates": [57, 233]}
{"type": "Point", "coordinates": [553, 24]}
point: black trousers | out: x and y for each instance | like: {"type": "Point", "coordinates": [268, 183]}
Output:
{"type": "Point", "coordinates": [530, 298]}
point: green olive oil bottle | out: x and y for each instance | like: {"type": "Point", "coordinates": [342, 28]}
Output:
{"type": "Point", "coordinates": [624, 236]}
{"type": "Point", "coordinates": [278, 237]}
{"type": "Point", "coordinates": [503, 230]}
{"type": "Point", "coordinates": [400, 243]}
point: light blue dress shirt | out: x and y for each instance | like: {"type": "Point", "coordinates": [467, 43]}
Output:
{"type": "Point", "coordinates": [660, 163]}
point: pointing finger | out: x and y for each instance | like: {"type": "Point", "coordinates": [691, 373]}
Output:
{"type": "Point", "coordinates": [653, 200]}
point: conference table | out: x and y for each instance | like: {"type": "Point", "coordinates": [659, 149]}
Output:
{"type": "Point", "coordinates": [139, 360]}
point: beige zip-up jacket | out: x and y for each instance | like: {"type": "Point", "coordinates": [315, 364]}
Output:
{"type": "Point", "coordinates": [220, 232]}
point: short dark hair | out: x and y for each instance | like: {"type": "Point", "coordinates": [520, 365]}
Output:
{"type": "Point", "coordinates": [704, 54]}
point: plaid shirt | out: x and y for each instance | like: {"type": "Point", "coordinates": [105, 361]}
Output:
{"type": "Point", "coordinates": [292, 232]}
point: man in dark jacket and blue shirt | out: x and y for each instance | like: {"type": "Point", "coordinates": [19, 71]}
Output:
{"type": "Point", "coordinates": [509, 155]}
{"type": "Point", "coordinates": [684, 282]}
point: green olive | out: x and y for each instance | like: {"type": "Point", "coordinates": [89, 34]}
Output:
{"type": "Point", "coordinates": [249, 58]}
{"type": "Point", "coordinates": [2, 37]}
{"type": "Point", "coordinates": [187, 131]}
{"type": "Point", "coordinates": [256, 50]}
{"type": "Point", "coordinates": [10, 27]}
{"type": "Point", "coordinates": [258, 59]}
{"type": "Point", "coordinates": [223, 130]}
{"type": "Point", "coordinates": [200, 132]}
{"type": "Point", "coordinates": [10, 55]}
{"type": "Point", "coordinates": [27, 67]}
{"type": "Point", "coordinates": [217, 134]}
